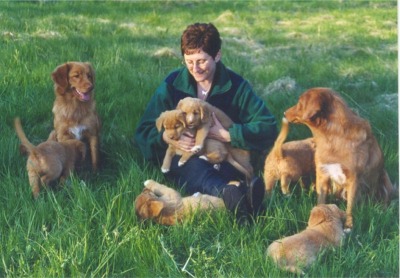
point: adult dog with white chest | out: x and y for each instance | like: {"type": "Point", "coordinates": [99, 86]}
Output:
{"type": "Point", "coordinates": [74, 109]}
{"type": "Point", "coordinates": [347, 154]}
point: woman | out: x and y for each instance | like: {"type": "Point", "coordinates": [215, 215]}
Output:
{"type": "Point", "coordinates": [206, 77]}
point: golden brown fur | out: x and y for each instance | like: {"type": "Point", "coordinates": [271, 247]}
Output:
{"type": "Point", "coordinates": [74, 108]}
{"type": "Point", "coordinates": [347, 153]}
{"type": "Point", "coordinates": [325, 229]}
{"type": "Point", "coordinates": [167, 207]}
{"type": "Point", "coordinates": [289, 161]}
{"type": "Point", "coordinates": [50, 160]}
{"type": "Point", "coordinates": [174, 124]}
{"type": "Point", "coordinates": [198, 116]}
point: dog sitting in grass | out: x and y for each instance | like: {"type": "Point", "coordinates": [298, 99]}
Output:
{"type": "Point", "coordinates": [166, 206]}
{"type": "Point", "coordinates": [50, 160]}
{"type": "Point", "coordinates": [325, 229]}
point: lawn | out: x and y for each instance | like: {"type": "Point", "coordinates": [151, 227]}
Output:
{"type": "Point", "coordinates": [89, 228]}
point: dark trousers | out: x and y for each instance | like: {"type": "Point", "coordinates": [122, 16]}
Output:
{"type": "Point", "coordinates": [198, 175]}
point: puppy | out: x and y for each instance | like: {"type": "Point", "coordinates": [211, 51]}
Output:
{"type": "Point", "coordinates": [198, 116]}
{"type": "Point", "coordinates": [167, 207]}
{"type": "Point", "coordinates": [288, 162]}
{"type": "Point", "coordinates": [347, 152]}
{"type": "Point", "coordinates": [174, 124]}
{"type": "Point", "coordinates": [50, 160]}
{"type": "Point", "coordinates": [325, 229]}
{"type": "Point", "coordinates": [74, 108]}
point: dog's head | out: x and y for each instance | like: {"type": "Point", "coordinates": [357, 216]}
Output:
{"type": "Point", "coordinates": [147, 205]}
{"type": "Point", "coordinates": [195, 111]}
{"type": "Point", "coordinates": [75, 78]}
{"type": "Point", "coordinates": [173, 123]}
{"type": "Point", "coordinates": [313, 108]}
{"type": "Point", "coordinates": [325, 213]}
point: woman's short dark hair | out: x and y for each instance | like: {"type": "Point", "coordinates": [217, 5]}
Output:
{"type": "Point", "coordinates": [201, 36]}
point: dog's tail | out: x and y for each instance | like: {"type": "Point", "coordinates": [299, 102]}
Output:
{"type": "Point", "coordinates": [390, 191]}
{"type": "Point", "coordinates": [281, 138]}
{"type": "Point", "coordinates": [29, 147]}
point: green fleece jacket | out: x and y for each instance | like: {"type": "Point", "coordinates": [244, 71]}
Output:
{"type": "Point", "coordinates": [254, 126]}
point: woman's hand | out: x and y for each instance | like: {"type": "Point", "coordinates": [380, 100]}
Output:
{"type": "Point", "coordinates": [185, 143]}
{"type": "Point", "coordinates": [218, 132]}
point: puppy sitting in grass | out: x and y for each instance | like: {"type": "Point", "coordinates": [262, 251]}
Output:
{"type": "Point", "coordinates": [290, 161]}
{"type": "Point", "coordinates": [50, 160]}
{"type": "Point", "coordinates": [325, 229]}
{"type": "Point", "coordinates": [167, 207]}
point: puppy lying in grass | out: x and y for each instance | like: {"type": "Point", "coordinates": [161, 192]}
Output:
{"type": "Point", "coordinates": [289, 161]}
{"type": "Point", "coordinates": [167, 207]}
{"type": "Point", "coordinates": [50, 160]}
{"type": "Point", "coordinates": [174, 124]}
{"type": "Point", "coordinates": [325, 229]}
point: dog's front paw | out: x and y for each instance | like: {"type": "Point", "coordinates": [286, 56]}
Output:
{"type": "Point", "coordinates": [147, 183]}
{"type": "Point", "coordinates": [196, 149]}
{"type": "Point", "coordinates": [203, 157]}
{"type": "Point", "coordinates": [181, 162]}
{"type": "Point", "coordinates": [165, 170]}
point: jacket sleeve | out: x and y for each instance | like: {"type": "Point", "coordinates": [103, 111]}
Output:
{"type": "Point", "coordinates": [258, 129]}
{"type": "Point", "coordinates": [147, 137]}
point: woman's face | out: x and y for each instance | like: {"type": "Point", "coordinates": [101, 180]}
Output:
{"type": "Point", "coordinates": [201, 65]}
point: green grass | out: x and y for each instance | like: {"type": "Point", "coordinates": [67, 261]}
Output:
{"type": "Point", "coordinates": [89, 228]}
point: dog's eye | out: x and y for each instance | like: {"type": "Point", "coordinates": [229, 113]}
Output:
{"type": "Point", "coordinates": [177, 125]}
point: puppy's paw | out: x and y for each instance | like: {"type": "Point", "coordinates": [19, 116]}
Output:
{"type": "Point", "coordinates": [347, 230]}
{"type": "Point", "coordinates": [203, 157]}
{"type": "Point", "coordinates": [196, 149]}
{"type": "Point", "coordinates": [147, 183]}
{"type": "Point", "coordinates": [165, 170]}
{"type": "Point", "coordinates": [181, 162]}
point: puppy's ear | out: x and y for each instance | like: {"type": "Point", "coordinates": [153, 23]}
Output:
{"type": "Point", "coordinates": [317, 216]}
{"type": "Point", "coordinates": [160, 121]}
{"type": "Point", "coordinates": [182, 119]}
{"type": "Point", "coordinates": [155, 207]}
{"type": "Point", "coordinates": [204, 114]}
{"type": "Point", "coordinates": [338, 212]}
{"type": "Point", "coordinates": [179, 105]}
{"type": "Point", "coordinates": [60, 78]}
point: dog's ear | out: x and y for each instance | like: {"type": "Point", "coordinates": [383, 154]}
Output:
{"type": "Point", "coordinates": [60, 78]}
{"type": "Point", "coordinates": [317, 216]}
{"type": "Point", "coordinates": [179, 105]}
{"type": "Point", "coordinates": [338, 212]}
{"type": "Point", "coordinates": [160, 121]}
{"type": "Point", "coordinates": [155, 207]}
{"type": "Point", "coordinates": [91, 69]}
{"type": "Point", "coordinates": [181, 118]}
{"type": "Point", "coordinates": [318, 107]}
{"type": "Point", "coordinates": [204, 113]}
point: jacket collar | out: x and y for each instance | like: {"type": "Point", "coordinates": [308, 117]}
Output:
{"type": "Point", "coordinates": [186, 83]}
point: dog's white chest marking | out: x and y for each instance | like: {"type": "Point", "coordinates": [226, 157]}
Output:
{"type": "Point", "coordinates": [335, 172]}
{"type": "Point", "coordinates": [77, 131]}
